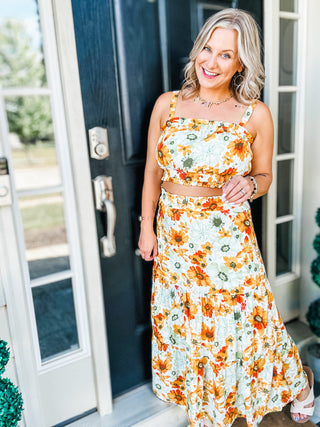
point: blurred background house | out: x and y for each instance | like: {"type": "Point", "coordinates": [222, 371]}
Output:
{"type": "Point", "coordinates": [74, 291]}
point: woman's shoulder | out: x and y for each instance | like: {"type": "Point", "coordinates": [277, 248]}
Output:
{"type": "Point", "coordinates": [260, 118]}
{"type": "Point", "coordinates": [261, 109]}
{"type": "Point", "coordinates": [261, 114]}
{"type": "Point", "coordinates": [164, 100]}
{"type": "Point", "coordinates": [163, 105]}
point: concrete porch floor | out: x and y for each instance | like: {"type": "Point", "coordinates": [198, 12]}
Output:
{"type": "Point", "coordinates": [140, 407]}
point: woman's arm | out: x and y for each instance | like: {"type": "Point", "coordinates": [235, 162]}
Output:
{"type": "Point", "coordinates": [152, 181]}
{"type": "Point", "coordinates": [261, 125]}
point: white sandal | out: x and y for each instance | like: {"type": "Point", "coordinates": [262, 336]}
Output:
{"type": "Point", "coordinates": [298, 406]}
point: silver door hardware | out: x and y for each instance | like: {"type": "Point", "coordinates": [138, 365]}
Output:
{"type": "Point", "coordinates": [103, 194]}
{"type": "Point", "coordinates": [4, 166]}
{"type": "Point", "coordinates": [5, 193]}
{"type": "Point", "coordinates": [99, 145]}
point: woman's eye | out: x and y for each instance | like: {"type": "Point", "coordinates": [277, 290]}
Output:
{"type": "Point", "coordinates": [206, 48]}
{"type": "Point", "coordinates": [225, 55]}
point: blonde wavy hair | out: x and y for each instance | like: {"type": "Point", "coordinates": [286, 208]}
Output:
{"type": "Point", "coordinates": [246, 85]}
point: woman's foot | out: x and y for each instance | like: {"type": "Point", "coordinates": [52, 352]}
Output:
{"type": "Point", "coordinates": [303, 405]}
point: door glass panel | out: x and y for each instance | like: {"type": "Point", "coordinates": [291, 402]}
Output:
{"type": "Point", "coordinates": [288, 52]}
{"type": "Point", "coordinates": [56, 319]}
{"type": "Point", "coordinates": [284, 247]}
{"type": "Point", "coordinates": [43, 221]}
{"type": "Point", "coordinates": [286, 122]}
{"type": "Point", "coordinates": [284, 187]}
{"type": "Point", "coordinates": [288, 5]}
{"type": "Point", "coordinates": [32, 142]}
{"type": "Point", "coordinates": [45, 242]}
{"type": "Point", "coordinates": [21, 54]}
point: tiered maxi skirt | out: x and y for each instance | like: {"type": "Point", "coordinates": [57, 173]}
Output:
{"type": "Point", "coordinates": [219, 346]}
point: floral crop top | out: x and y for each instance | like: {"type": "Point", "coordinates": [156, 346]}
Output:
{"type": "Point", "coordinates": [204, 152]}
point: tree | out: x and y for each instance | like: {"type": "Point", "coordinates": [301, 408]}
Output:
{"type": "Point", "coordinates": [22, 65]}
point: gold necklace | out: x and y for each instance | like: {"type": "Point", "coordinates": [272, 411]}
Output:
{"type": "Point", "coordinates": [209, 104]}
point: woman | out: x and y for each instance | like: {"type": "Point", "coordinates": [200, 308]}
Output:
{"type": "Point", "coordinates": [219, 347]}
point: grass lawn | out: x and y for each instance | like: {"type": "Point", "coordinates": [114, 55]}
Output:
{"type": "Point", "coordinates": [33, 155]}
{"type": "Point", "coordinates": [42, 216]}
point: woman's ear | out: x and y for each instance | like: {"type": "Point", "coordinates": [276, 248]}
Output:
{"type": "Point", "coordinates": [240, 68]}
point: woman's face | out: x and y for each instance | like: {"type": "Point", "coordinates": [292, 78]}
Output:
{"type": "Point", "coordinates": [218, 61]}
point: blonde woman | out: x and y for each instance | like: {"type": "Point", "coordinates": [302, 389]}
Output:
{"type": "Point", "coordinates": [219, 347]}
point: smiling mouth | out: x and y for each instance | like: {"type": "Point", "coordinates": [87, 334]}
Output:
{"type": "Point", "coordinates": [209, 74]}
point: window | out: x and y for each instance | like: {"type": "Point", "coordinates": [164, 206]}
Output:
{"type": "Point", "coordinates": [32, 120]}
{"type": "Point", "coordinates": [284, 50]}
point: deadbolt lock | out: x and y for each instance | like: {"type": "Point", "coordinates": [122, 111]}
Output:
{"type": "Point", "coordinates": [5, 189]}
{"type": "Point", "coordinates": [99, 145]}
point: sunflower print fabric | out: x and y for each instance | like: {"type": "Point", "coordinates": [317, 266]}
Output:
{"type": "Point", "coordinates": [219, 347]}
{"type": "Point", "coordinates": [203, 152]}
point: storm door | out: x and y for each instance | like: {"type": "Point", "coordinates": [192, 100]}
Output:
{"type": "Point", "coordinates": [42, 264]}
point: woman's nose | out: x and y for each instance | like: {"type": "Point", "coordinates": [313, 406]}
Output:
{"type": "Point", "coordinates": [212, 61]}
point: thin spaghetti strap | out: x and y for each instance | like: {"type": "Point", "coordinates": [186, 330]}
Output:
{"type": "Point", "coordinates": [173, 103]}
{"type": "Point", "coordinates": [248, 113]}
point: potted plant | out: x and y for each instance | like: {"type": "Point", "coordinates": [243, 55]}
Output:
{"type": "Point", "coordinates": [10, 398]}
{"type": "Point", "coordinates": [313, 314]}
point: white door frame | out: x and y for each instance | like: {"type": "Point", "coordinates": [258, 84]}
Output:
{"type": "Point", "coordinates": [70, 79]}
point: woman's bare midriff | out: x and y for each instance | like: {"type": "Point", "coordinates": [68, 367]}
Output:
{"type": "Point", "coordinates": [188, 190]}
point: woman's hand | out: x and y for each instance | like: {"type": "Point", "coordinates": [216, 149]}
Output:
{"type": "Point", "coordinates": [148, 244]}
{"type": "Point", "coordinates": [238, 189]}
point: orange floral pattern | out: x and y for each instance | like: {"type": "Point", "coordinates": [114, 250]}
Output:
{"type": "Point", "coordinates": [204, 152]}
{"type": "Point", "coordinates": [219, 346]}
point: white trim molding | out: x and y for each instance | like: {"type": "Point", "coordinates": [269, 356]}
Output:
{"type": "Point", "coordinates": [70, 79]}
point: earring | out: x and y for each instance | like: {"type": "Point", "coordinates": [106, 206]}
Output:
{"type": "Point", "coordinates": [237, 79]}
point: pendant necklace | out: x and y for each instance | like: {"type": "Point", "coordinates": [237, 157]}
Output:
{"type": "Point", "coordinates": [209, 104]}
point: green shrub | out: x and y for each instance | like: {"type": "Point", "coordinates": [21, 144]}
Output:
{"type": "Point", "coordinates": [11, 403]}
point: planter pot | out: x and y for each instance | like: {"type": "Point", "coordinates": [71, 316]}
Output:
{"type": "Point", "coordinates": [313, 358]}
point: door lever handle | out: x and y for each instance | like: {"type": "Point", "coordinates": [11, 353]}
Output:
{"type": "Point", "coordinates": [108, 243]}
{"type": "Point", "coordinates": [103, 192]}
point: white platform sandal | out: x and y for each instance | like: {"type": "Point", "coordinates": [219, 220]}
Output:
{"type": "Point", "coordinates": [298, 406]}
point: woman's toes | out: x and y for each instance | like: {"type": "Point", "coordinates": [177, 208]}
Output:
{"type": "Point", "coordinates": [298, 417]}
{"type": "Point", "coordinates": [295, 416]}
